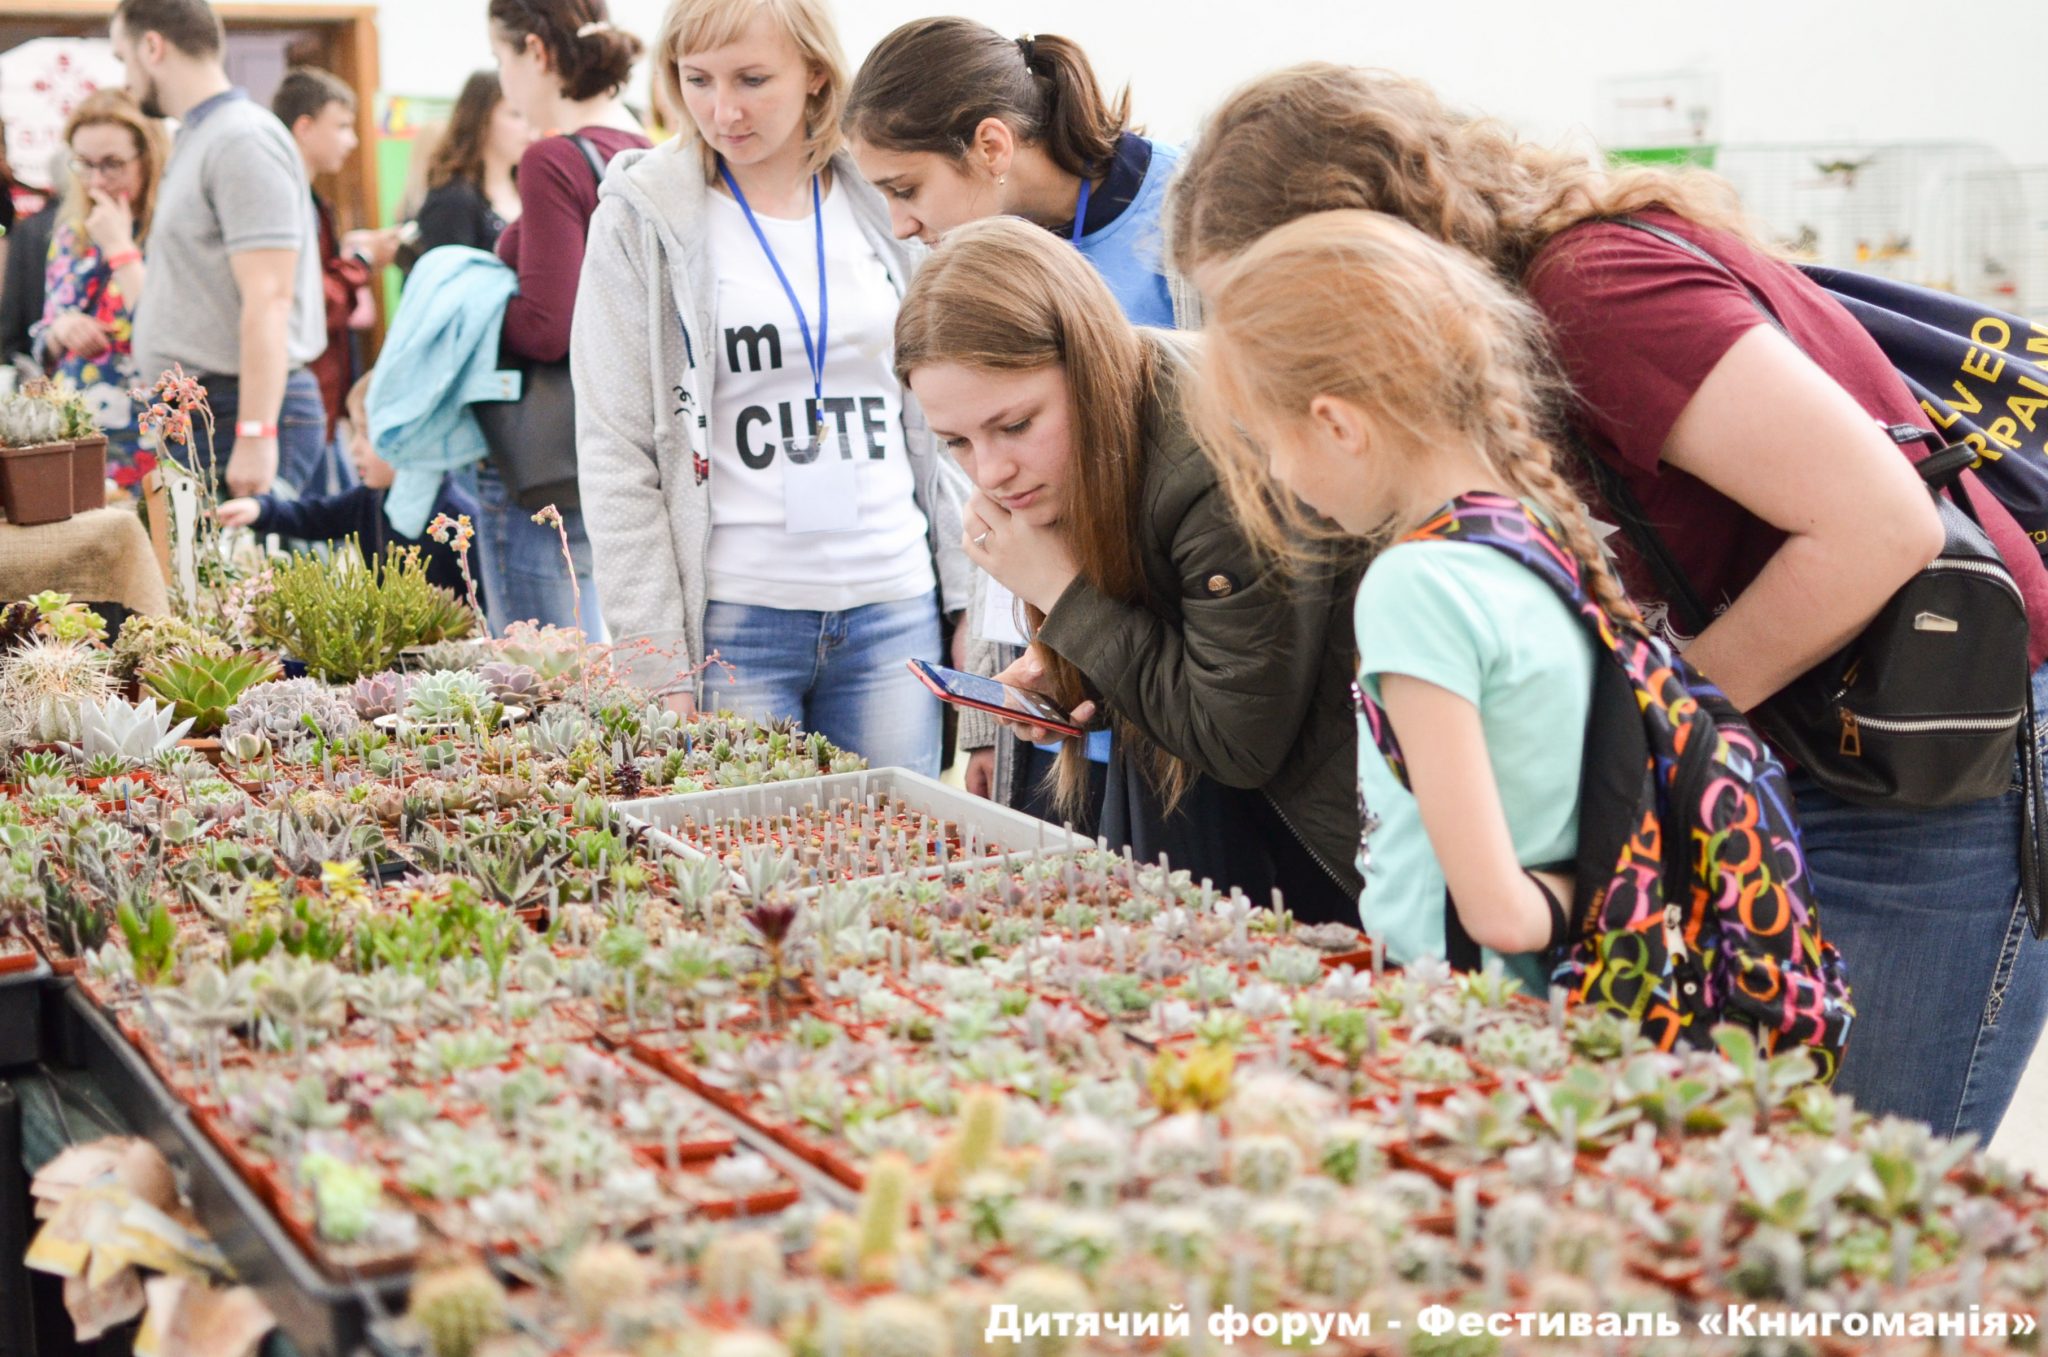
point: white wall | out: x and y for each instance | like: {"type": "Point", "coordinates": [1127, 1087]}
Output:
{"type": "Point", "coordinates": [1788, 70]}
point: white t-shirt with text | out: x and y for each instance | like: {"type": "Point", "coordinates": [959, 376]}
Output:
{"type": "Point", "coordinates": [829, 531]}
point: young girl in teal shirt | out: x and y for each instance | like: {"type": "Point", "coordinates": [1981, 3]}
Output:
{"type": "Point", "coordinates": [1375, 375]}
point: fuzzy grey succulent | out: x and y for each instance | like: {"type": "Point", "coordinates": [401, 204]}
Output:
{"type": "Point", "coordinates": [375, 695]}
{"type": "Point", "coordinates": [511, 682]}
{"type": "Point", "coordinates": [279, 711]}
{"type": "Point", "coordinates": [445, 655]}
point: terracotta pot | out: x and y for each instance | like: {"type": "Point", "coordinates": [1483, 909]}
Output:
{"type": "Point", "coordinates": [89, 473]}
{"type": "Point", "coordinates": [35, 483]}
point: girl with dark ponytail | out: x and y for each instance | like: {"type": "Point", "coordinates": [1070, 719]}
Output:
{"type": "Point", "coordinates": [954, 122]}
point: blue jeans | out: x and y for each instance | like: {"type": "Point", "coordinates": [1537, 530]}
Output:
{"type": "Point", "coordinates": [301, 433]}
{"type": "Point", "coordinates": [519, 563]}
{"type": "Point", "coordinates": [1950, 985]}
{"type": "Point", "coordinates": [841, 674]}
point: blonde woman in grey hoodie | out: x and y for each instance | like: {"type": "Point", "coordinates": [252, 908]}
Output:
{"type": "Point", "coordinates": [756, 481]}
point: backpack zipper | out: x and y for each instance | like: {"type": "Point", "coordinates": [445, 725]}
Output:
{"type": "Point", "coordinates": [1853, 726]}
{"type": "Point", "coordinates": [1984, 568]}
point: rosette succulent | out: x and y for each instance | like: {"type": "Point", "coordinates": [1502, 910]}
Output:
{"type": "Point", "coordinates": [375, 695]}
{"type": "Point", "coordinates": [200, 687]}
{"type": "Point", "coordinates": [291, 711]}
{"type": "Point", "coordinates": [511, 682]}
{"type": "Point", "coordinates": [134, 733]}
{"type": "Point", "coordinates": [448, 697]}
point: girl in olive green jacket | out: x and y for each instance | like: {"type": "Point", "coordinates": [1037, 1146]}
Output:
{"type": "Point", "coordinates": [1226, 678]}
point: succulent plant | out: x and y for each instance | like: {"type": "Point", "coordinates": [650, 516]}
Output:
{"type": "Point", "coordinates": [602, 1278]}
{"type": "Point", "coordinates": [28, 422]}
{"type": "Point", "coordinates": [900, 1326]}
{"type": "Point", "coordinates": [511, 682]}
{"type": "Point", "coordinates": [448, 697]}
{"type": "Point", "coordinates": [43, 684]}
{"type": "Point", "coordinates": [345, 1196]}
{"type": "Point", "coordinates": [132, 732]}
{"type": "Point", "coordinates": [145, 639]}
{"type": "Point", "coordinates": [375, 695]}
{"type": "Point", "coordinates": [200, 687]}
{"type": "Point", "coordinates": [552, 653]}
{"type": "Point", "coordinates": [280, 713]}
{"type": "Point", "coordinates": [733, 1260]}
{"type": "Point", "coordinates": [457, 1308]}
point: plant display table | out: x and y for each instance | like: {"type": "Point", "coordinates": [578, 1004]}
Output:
{"type": "Point", "coordinates": [103, 555]}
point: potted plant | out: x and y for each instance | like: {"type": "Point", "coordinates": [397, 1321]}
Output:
{"type": "Point", "coordinates": [35, 461]}
{"type": "Point", "coordinates": [88, 448]}
{"type": "Point", "coordinates": [201, 687]}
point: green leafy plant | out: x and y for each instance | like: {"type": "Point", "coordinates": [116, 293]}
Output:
{"type": "Point", "coordinates": [346, 617]}
{"type": "Point", "coordinates": [152, 936]}
{"type": "Point", "coordinates": [201, 687]}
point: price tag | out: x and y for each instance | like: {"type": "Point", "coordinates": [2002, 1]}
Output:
{"type": "Point", "coordinates": [820, 485]}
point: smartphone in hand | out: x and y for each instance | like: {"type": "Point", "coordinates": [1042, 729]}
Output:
{"type": "Point", "coordinates": [999, 699]}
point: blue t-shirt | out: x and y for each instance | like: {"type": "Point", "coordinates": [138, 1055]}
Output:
{"type": "Point", "coordinates": [1477, 623]}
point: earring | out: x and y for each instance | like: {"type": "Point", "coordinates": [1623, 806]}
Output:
{"type": "Point", "coordinates": [1002, 179]}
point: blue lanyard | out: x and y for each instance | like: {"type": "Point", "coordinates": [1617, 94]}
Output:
{"type": "Point", "coordinates": [1081, 209]}
{"type": "Point", "coordinates": [814, 353]}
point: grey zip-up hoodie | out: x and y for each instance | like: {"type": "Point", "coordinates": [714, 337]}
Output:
{"type": "Point", "coordinates": [641, 356]}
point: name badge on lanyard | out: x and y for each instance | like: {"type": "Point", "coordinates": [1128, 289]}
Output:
{"type": "Point", "coordinates": [820, 478]}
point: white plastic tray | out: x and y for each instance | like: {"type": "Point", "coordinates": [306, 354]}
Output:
{"type": "Point", "coordinates": [991, 832]}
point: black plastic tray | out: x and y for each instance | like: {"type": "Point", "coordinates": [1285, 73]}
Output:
{"type": "Point", "coordinates": [21, 1015]}
{"type": "Point", "coordinates": [322, 1317]}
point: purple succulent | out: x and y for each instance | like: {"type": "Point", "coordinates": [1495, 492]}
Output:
{"type": "Point", "coordinates": [376, 695]}
{"type": "Point", "coordinates": [511, 682]}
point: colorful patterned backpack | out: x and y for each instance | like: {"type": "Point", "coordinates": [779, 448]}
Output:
{"type": "Point", "coordinates": [1692, 905]}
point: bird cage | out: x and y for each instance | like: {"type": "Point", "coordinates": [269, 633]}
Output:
{"type": "Point", "coordinates": [1946, 215]}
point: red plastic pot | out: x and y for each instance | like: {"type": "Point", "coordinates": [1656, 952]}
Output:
{"type": "Point", "coordinates": [36, 483]}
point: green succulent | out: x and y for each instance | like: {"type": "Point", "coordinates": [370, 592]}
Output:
{"type": "Point", "coordinates": [201, 687]}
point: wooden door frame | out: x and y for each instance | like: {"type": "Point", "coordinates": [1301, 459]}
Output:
{"type": "Point", "coordinates": [357, 43]}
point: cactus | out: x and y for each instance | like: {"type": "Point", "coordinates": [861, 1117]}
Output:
{"type": "Point", "coordinates": [26, 422]}
{"type": "Point", "coordinates": [602, 1278]}
{"type": "Point", "coordinates": [884, 1218]}
{"type": "Point", "coordinates": [457, 1308]}
{"type": "Point", "coordinates": [899, 1326]}
{"type": "Point", "coordinates": [1265, 1164]}
{"type": "Point", "coordinates": [1046, 1291]}
{"type": "Point", "coordinates": [732, 1261]}
{"type": "Point", "coordinates": [43, 684]}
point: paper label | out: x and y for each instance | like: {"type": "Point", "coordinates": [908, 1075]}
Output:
{"type": "Point", "coordinates": [820, 485]}
{"type": "Point", "coordinates": [998, 623]}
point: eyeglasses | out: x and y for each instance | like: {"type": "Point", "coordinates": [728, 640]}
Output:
{"type": "Point", "coordinates": [84, 168]}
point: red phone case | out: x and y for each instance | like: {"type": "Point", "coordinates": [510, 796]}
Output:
{"type": "Point", "coordinates": [940, 693]}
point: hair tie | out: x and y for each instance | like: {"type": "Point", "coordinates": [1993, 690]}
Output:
{"type": "Point", "coordinates": [1027, 45]}
{"type": "Point", "coordinates": [593, 27]}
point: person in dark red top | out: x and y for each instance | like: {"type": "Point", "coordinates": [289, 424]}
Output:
{"type": "Point", "coordinates": [561, 64]}
{"type": "Point", "coordinates": [319, 110]}
{"type": "Point", "coordinates": [1766, 468]}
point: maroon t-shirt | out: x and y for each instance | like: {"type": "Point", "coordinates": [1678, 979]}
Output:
{"type": "Point", "coordinates": [1639, 323]}
{"type": "Point", "coordinates": [557, 194]}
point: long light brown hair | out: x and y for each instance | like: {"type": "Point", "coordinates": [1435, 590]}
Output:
{"type": "Point", "coordinates": [113, 108]}
{"type": "Point", "coordinates": [1002, 295]}
{"type": "Point", "coordinates": [459, 151]}
{"type": "Point", "coordinates": [1418, 335]}
{"type": "Point", "coordinates": [706, 25]}
{"type": "Point", "coordinates": [1321, 137]}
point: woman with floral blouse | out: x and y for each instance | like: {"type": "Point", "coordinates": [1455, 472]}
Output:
{"type": "Point", "coordinates": [95, 271]}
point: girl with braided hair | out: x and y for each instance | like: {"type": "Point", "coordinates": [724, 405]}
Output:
{"type": "Point", "coordinates": [1358, 368]}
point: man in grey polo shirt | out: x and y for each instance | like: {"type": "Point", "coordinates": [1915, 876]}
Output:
{"type": "Point", "coordinates": [234, 272]}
